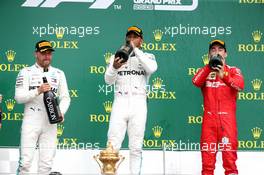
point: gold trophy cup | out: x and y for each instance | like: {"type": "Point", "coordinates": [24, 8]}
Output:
{"type": "Point", "coordinates": [109, 160]}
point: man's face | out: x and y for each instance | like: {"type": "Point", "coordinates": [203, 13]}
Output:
{"type": "Point", "coordinates": [135, 39]}
{"type": "Point", "coordinates": [44, 58]}
{"type": "Point", "coordinates": [218, 49]}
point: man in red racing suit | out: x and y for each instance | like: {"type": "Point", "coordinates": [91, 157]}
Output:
{"type": "Point", "coordinates": [219, 86]}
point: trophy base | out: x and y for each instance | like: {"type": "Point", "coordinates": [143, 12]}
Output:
{"type": "Point", "coordinates": [109, 174]}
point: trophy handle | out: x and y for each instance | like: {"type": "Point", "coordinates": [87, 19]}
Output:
{"type": "Point", "coordinates": [96, 159]}
{"type": "Point", "coordinates": [122, 158]}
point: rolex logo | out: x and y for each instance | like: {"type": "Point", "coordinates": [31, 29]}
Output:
{"type": "Point", "coordinates": [256, 36]}
{"type": "Point", "coordinates": [10, 104]}
{"type": "Point", "coordinates": [256, 132]}
{"type": "Point", "coordinates": [59, 33]}
{"type": "Point", "coordinates": [10, 55]}
{"type": "Point", "coordinates": [107, 57]}
{"type": "Point", "coordinates": [157, 82]}
{"type": "Point", "coordinates": [60, 129]}
{"type": "Point", "coordinates": [108, 106]}
{"type": "Point", "coordinates": [157, 35]}
{"type": "Point", "coordinates": [157, 131]}
{"type": "Point", "coordinates": [205, 59]}
{"type": "Point", "coordinates": [256, 83]}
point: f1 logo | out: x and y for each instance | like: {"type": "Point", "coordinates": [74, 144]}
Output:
{"type": "Point", "coordinates": [97, 4]}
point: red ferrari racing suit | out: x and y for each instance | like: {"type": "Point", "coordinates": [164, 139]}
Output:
{"type": "Point", "coordinates": [219, 119]}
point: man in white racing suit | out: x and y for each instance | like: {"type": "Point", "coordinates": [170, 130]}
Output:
{"type": "Point", "coordinates": [129, 111]}
{"type": "Point", "coordinates": [36, 129]}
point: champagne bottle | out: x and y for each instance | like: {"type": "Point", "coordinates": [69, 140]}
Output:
{"type": "Point", "coordinates": [52, 107]}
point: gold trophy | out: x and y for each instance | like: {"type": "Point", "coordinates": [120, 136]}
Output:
{"type": "Point", "coordinates": [109, 159]}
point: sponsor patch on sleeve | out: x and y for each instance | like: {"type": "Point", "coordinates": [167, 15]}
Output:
{"type": "Point", "coordinates": [19, 81]}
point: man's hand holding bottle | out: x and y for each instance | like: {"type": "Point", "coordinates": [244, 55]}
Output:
{"type": "Point", "coordinates": [45, 87]}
